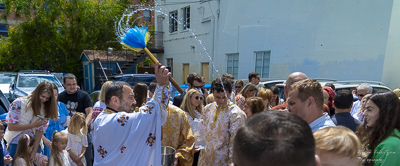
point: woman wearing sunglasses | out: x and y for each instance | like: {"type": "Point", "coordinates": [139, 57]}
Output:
{"type": "Point", "coordinates": [192, 104]}
{"type": "Point", "coordinates": [238, 86]}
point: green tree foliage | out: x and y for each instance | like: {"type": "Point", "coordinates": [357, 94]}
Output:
{"type": "Point", "coordinates": [57, 31]}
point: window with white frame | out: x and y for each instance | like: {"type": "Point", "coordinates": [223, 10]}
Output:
{"type": "Point", "coordinates": [186, 17]}
{"type": "Point", "coordinates": [173, 21]}
{"type": "Point", "coordinates": [233, 64]}
{"type": "Point", "coordinates": [262, 63]}
{"type": "Point", "coordinates": [146, 16]}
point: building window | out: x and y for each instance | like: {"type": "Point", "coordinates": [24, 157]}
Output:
{"type": "Point", "coordinates": [146, 16]}
{"type": "Point", "coordinates": [2, 6]}
{"type": "Point", "coordinates": [262, 63]}
{"type": "Point", "coordinates": [173, 21]}
{"type": "Point", "coordinates": [186, 18]}
{"type": "Point", "coordinates": [233, 64]}
{"type": "Point", "coordinates": [3, 30]}
{"type": "Point", "coordinates": [170, 64]}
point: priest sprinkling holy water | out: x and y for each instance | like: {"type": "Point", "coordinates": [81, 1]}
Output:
{"type": "Point", "coordinates": [122, 138]}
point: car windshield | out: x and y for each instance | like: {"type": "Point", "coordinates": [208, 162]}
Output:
{"type": "Point", "coordinates": [33, 81]}
{"type": "Point", "coordinates": [6, 79]}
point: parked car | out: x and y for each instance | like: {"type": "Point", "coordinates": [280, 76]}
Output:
{"type": "Point", "coordinates": [270, 83]}
{"type": "Point", "coordinates": [133, 79]}
{"type": "Point", "coordinates": [4, 106]}
{"type": "Point", "coordinates": [6, 79]}
{"type": "Point", "coordinates": [339, 85]}
{"type": "Point", "coordinates": [185, 86]}
{"type": "Point", "coordinates": [27, 80]}
{"type": "Point", "coordinates": [376, 86]}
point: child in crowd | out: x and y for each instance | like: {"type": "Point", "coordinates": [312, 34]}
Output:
{"type": "Point", "coordinates": [59, 156]}
{"type": "Point", "coordinates": [210, 99]}
{"type": "Point", "coordinates": [253, 105]}
{"type": "Point", "coordinates": [7, 158]}
{"type": "Point", "coordinates": [337, 146]}
{"type": "Point", "coordinates": [23, 154]}
{"type": "Point", "coordinates": [266, 95]}
{"type": "Point", "coordinates": [77, 140]}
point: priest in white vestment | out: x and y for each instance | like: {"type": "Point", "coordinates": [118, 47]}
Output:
{"type": "Point", "coordinates": [123, 138]}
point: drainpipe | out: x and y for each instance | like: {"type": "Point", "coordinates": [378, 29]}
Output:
{"type": "Point", "coordinates": [212, 45]}
{"type": "Point", "coordinates": [213, 37]}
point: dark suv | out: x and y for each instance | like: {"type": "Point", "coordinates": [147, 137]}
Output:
{"type": "Point", "coordinates": [133, 79]}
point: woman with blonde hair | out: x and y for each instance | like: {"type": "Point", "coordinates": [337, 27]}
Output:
{"type": "Point", "coordinates": [29, 115]}
{"type": "Point", "coordinates": [100, 105]}
{"type": "Point", "coordinates": [266, 95]}
{"type": "Point", "coordinates": [102, 94]}
{"type": "Point", "coordinates": [192, 104]}
{"type": "Point", "coordinates": [248, 91]}
{"type": "Point", "coordinates": [337, 146]}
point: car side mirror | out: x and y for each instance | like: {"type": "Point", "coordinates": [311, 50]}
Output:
{"type": "Point", "coordinates": [11, 91]}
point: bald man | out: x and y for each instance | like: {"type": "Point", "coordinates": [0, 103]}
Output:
{"type": "Point", "coordinates": [290, 80]}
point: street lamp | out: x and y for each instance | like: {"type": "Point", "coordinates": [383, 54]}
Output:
{"type": "Point", "coordinates": [109, 53]}
{"type": "Point", "coordinates": [109, 50]}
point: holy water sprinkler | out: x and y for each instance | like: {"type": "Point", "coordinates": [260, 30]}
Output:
{"type": "Point", "coordinates": [136, 39]}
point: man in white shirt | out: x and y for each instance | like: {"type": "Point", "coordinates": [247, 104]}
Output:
{"type": "Point", "coordinates": [362, 90]}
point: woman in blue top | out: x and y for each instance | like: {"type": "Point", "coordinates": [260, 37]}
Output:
{"type": "Point", "coordinates": [58, 125]}
{"type": "Point", "coordinates": [380, 132]}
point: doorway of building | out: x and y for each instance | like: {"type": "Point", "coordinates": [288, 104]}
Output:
{"type": "Point", "coordinates": [205, 71]}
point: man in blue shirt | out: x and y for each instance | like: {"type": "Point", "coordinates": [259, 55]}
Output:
{"type": "Point", "coordinates": [343, 102]}
{"type": "Point", "coordinates": [306, 100]}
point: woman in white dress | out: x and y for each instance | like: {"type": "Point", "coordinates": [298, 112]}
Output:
{"type": "Point", "coordinates": [192, 104]}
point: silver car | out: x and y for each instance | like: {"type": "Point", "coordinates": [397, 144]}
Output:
{"type": "Point", "coordinates": [6, 79]}
{"type": "Point", "coordinates": [27, 81]}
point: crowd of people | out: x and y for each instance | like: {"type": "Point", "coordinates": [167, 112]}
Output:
{"type": "Point", "coordinates": [232, 123]}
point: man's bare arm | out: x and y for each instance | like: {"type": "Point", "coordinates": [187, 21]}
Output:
{"type": "Point", "coordinates": [89, 112]}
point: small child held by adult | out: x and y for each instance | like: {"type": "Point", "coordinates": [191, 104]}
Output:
{"type": "Point", "coordinates": [23, 154]}
{"type": "Point", "coordinates": [77, 140]}
{"type": "Point", "coordinates": [337, 146]}
{"type": "Point", "coordinates": [59, 156]}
